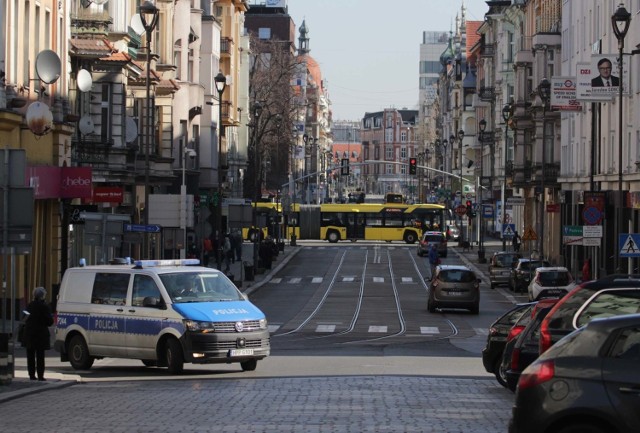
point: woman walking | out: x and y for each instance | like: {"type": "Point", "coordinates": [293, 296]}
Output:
{"type": "Point", "coordinates": [36, 333]}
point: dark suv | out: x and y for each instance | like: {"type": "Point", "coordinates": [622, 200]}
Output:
{"type": "Point", "coordinates": [613, 295]}
{"type": "Point", "coordinates": [500, 265]}
{"type": "Point", "coordinates": [522, 272]}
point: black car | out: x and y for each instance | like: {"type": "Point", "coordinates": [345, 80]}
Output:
{"type": "Point", "coordinates": [522, 272]}
{"type": "Point", "coordinates": [500, 265]}
{"type": "Point", "coordinates": [526, 347]}
{"type": "Point", "coordinates": [613, 295]}
{"type": "Point", "coordinates": [588, 382]}
{"type": "Point", "coordinates": [497, 338]}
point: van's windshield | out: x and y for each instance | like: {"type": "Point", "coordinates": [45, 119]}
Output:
{"type": "Point", "coordinates": [200, 287]}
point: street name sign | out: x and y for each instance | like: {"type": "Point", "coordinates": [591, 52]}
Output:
{"type": "Point", "coordinates": [149, 228]}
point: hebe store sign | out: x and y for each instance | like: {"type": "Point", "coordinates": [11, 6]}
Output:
{"type": "Point", "coordinates": [60, 182]}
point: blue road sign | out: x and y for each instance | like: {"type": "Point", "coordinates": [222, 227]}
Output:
{"type": "Point", "coordinates": [629, 244]}
{"type": "Point", "coordinates": [487, 211]}
{"type": "Point", "coordinates": [150, 228]}
{"type": "Point", "coordinates": [508, 229]}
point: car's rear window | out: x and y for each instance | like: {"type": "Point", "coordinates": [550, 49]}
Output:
{"type": "Point", "coordinates": [532, 265]}
{"type": "Point", "coordinates": [505, 260]}
{"type": "Point", "coordinates": [434, 238]}
{"type": "Point", "coordinates": [554, 278]}
{"type": "Point", "coordinates": [609, 303]}
{"type": "Point", "coordinates": [457, 276]}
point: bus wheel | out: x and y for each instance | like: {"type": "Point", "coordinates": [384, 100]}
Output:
{"type": "Point", "coordinates": [410, 237]}
{"type": "Point", "coordinates": [333, 236]}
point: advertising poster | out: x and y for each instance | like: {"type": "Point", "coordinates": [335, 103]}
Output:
{"type": "Point", "coordinates": [599, 80]}
{"type": "Point", "coordinates": [563, 94]}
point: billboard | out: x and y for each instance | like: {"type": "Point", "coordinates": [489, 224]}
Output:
{"type": "Point", "coordinates": [563, 94]}
{"type": "Point", "coordinates": [599, 80]}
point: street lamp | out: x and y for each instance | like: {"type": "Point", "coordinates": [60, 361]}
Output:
{"type": "Point", "coordinates": [149, 16]}
{"type": "Point", "coordinates": [307, 166]}
{"type": "Point", "coordinates": [257, 111]}
{"type": "Point", "coordinates": [544, 91]}
{"type": "Point", "coordinates": [482, 125]}
{"type": "Point", "coordinates": [506, 116]}
{"type": "Point", "coordinates": [221, 83]}
{"type": "Point", "coordinates": [183, 199]}
{"type": "Point", "coordinates": [620, 21]}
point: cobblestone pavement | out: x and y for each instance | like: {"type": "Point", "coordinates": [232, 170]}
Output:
{"type": "Point", "coordinates": [316, 404]}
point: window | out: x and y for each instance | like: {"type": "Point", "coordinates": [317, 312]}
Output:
{"type": "Point", "coordinates": [388, 153]}
{"type": "Point", "coordinates": [627, 345]}
{"type": "Point", "coordinates": [144, 287]}
{"type": "Point", "coordinates": [105, 113]}
{"type": "Point", "coordinates": [389, 168]}
{"type": "Point", "coordinates": [403, 136]}
{"type": "Point", "coordinates": [388, 135]}
{"type": "Point", "coordinates": [377, 122]}
{"type": "Point", "coordinates": [264, 33]}
{"type": "Point", "coordinates": [403, 153]}
{"type": "Point", "coordinates": [110, 288]}
{"type": "Point", "coordinates": [609, 303]}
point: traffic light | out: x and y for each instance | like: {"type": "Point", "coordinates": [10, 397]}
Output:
{"type": "Point", "coordinates": [344, 167]}
{"type": "Point", "coordinates": [413, 166]}
{"type": "Point", "coordinates": [470, 212]}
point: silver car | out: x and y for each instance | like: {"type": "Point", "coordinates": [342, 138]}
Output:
{"type": "Point", "coordinates": [500, 265]}
{"type": "Point", "coordinates": [454, 286]}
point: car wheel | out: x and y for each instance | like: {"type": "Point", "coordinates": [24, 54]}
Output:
{"type": "Point", "coordinates": [419, 253]}
{"type": "Point", "coordinates": [501, 377]}
{"type": "Point", "coordinates": [431, 307]}
{"type": "Point", "coordinates": [475, 309]}
{"type": "Point", "coordinates": [493, 286]}
{"type": "Point", "coordinates": [249, 365]}
{"type": "Point", "coordinates": [582, 428]}
{"type": "Point", "coordinates": [173, 354]}
{"type": "Point", "coordinates": [78, 352]}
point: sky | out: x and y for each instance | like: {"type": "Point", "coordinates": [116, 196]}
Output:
{"type": "Point", "coordinates": [369, 50]}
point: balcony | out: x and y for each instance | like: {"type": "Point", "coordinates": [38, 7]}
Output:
{"type": "Point", "coordinates": [226, 45]}
{"type": "Point", "coordinates": [487, 93]}
{"type": "Point", "coordinates": [226, 107]}
{"type": "Point", "coordinates": [488, 50]}
{"type": "Point", "coordinates": [522, 174]}
{"type": "Point", "coordinates": [550, 172]}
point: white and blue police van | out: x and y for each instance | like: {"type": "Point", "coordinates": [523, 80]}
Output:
{"type": "Point", "coordinates": [163, 312]}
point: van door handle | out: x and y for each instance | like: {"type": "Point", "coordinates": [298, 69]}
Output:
{"type": "Point", "coordinates": [119, 310]}
{"type": "Point", "coordinates": [627, 390]}
{"type": "Point", "coordinates": [132, 311]}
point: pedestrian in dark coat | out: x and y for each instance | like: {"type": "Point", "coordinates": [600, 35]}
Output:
{"type": "Point", "coordinates": [36, 333]}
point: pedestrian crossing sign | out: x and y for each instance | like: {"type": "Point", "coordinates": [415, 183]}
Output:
{"type": "Point", "coordinates": [508, 230]}
{"type": "Point", "coordinates": [629, 244]}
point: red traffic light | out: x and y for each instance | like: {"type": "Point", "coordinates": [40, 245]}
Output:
{"type": "Point", "coordinates": [413, 165]}
{"type": "Point", "coordinates": [469, 204]}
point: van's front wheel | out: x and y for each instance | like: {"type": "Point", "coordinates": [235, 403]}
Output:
{"type": "Point", "coordinates": [173, 355]}
{"type": "Point", "coordinates": [78, 352]}
{"type": "Point", "coordinates": [249, 365]}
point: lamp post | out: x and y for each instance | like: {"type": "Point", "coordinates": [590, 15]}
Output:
{"type": "Point", "coordinates": [544, 91]}
{"type": "Point", "coordinates": [460, 138]}
{"type": "Point", "coordinates": [183, 199]}
{"type": "Point", "coordinates": [307, 165]}
{"type": "Point", "coordinates": [257, 111]}
{"type": "Point", "coordinates": [620, 21]}
{"type": "Point", "coordinates": [221, 83]}
{"type": "Point", "coordinates": [149, 16]}
{"type": "Point", "coordinates": [481, 258]}
{"type": "Point", "coordinates": [506, 116]}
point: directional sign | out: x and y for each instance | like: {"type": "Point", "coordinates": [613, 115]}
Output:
{"type": "Point", "coordinates": [150, 228]}
{"type": "Point", "coordinates": [508, 230]}
{"type": "Point", "coordinates": [629, 244]}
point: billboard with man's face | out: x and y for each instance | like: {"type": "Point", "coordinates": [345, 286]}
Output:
{"type": "Point", "coordinates": [599, 80]}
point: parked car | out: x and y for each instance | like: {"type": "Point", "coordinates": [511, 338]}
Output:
{"type": "Point", "coordinates": [453, 233]}
{"type": "Point", "coordinates": [432, 238]}
{"type": "Point", "coordinates": [613, 295]}
{"type": "Point", "coordinates": [588, 382]}
{"type": "Point", "coordinates": [522, 272]}
{"type": "Point", "coordinates": [454, 286]}
{"type": "Point", "coordinates": [500, 265]}
{"type": "Point", "coordinates": [525, 348]}
{"type": "Point", "coordinates": [497, 338]}
{"type": "Point", "coordinates": [551, 282]}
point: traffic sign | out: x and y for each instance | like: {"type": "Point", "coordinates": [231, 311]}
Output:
{"type": "Point", "coordinates": [592, 215]}
{"type": "Point", "coordinates": [461, 210]}
{"type": "Point", "coordinates": [529, 235]}
{"type": "Point", "coordinates": [508, 230]}
{"type": "Point", "coordinates": [629, 244]}
{"type": "Point", "coordinates": [149, 228]}
{"type": "Point", "coordinates": [487, 211]}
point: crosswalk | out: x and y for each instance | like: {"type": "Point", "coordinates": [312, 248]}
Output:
{"type": "Point", "coordinates": [344, 279]}
{"type": "Point", "coordinates": [329, 328]}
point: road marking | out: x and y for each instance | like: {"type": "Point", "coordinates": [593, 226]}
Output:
{"type": "Point", "coordinates": [407, 279]}
{"type": "Point", "coordinates": [378, 279]}
{"type": "Point", "coordinates": [325, 328]}
{"type": "Point", "coordinates": [295, 280]}
{"type": "Point", "coordinates": [375, 328]}
{"type": "Point", "coordinates": [481, 331]}
{"type": "Point", "coordinates": [429, 330]}
{"type": "Point", "coordinates": [316, 280]}
{"type": "Point", "coordinates": [275, 281]}
{"type": "Point", "coordinates": [348, 279]}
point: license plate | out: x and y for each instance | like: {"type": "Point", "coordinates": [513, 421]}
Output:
{"type": "Point", "coordinates": [241, 352]}
{"type": "Point", "coordinates": [455, 293]}
{"type": "Point", "coordinates": [505, 272]}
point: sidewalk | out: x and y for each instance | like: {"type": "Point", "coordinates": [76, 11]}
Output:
{"type": "Point", "coordinates": [21, 385]}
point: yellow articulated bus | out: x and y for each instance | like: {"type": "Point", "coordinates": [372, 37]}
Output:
{"type": "Point", "coordinates": [365, 221]}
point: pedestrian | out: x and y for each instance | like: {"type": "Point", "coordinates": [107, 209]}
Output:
{"type": "Point", "coordinates": [516, 241]}
{"type": "Point", "coordinates": [586, 270]}
{"type": "Point", "coordinates": [36, 333]}
{"type": "Point", "coordinates": [226, 252]}
{"type": "Point", "coordinates": [266, 253]}
{"type": "Point", "coordinates": [236, 245]}
{"type": "Point", "coordinates": [434, 259]}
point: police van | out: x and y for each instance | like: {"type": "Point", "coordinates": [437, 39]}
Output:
{"type": "Point", "coordinates": [163, 312]}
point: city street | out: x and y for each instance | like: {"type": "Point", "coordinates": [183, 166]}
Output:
{"type": "Point", "coordinates": [409, 382]}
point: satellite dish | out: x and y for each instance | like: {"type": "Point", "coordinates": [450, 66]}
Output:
{"type": "Point", "coordinates": [85, 124]}
{"type": "Point", "coordinates": [136, 24]}
{"type": "Point", "coordinates": [84, 80]}
{"type": "Point", "coordinates": [121, 46]}
{"type": "Point", "coordinates": [48, 66]}
{"type": "Point", "coordinates": [39, 118]}
{"type": "Point", "coordinates": [132, 129]}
